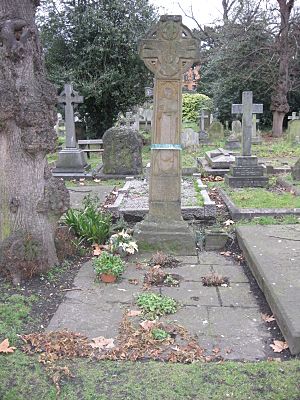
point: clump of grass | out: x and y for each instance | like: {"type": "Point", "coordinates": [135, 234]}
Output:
{"type": "Point", "coordinates": [214, 279]}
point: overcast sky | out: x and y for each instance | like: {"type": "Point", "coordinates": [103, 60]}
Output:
{"type": "Point", "coordinates": [205, 11]}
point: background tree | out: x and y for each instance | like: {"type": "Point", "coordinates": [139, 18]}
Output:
{"type": "Point", "coordinates": [31, 201]}
{"type": "Point", "coordinates": [94, 44]}
{"type": "Point", "coordinates": [279, 105]}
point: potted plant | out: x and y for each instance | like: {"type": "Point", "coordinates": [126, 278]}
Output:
{"type": "Point", "coordinates": [108, 267]}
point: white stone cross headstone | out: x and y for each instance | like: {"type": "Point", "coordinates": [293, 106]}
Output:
{"type": "Point", "coordinates": [247, 108]}
{"type": "Point", "coordinates": [69, 97]}
{"type": "Point", "coordinates": [293, 116]}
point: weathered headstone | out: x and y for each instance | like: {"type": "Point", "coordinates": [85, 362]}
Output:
{"type": "Point", "coordinates": [293, 132]}
{"type": "Point", "coordinates": [296, 171]}
{"type": "Point", "coordinates": [122, 153]}
{"type": "Point", "coordinates": [203, 116]}
{"type": "Point", "coordinates": [71, 160]}
{"type": "Point", "coordinates": [293, 116]}
{"type": "Point", "coordinates": [256, 138]}
{"type": "Point", "coordinates": [233, 140]}
{"type": "Point", "coordinates": [168, 51]}
{"type": "Point", "coordinates": [246, 172]}
{"type": "Point", "coordinates": [236, 128]}
{"type": "Point", "coordinates": [216, 131]}
{"type": "Point", "coordinates": [189, 139]}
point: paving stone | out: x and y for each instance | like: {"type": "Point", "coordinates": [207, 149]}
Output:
{"type": "Point", "coordinates": [192, 272]}
{"type": "Point", "coordinates": [235, 273]}
{"type": "Point", "coordinates": [237, 295]}
{"type": "Point", "coordinates": [193, 318]}
{"type": "Point", "coordinates": [273, 254]}
{"type": "Point", "coordinates": [211, 257]}
{"type": "Point", "coordinates": [193, 293]}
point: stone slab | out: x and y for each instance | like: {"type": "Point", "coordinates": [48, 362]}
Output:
{"type": "Point", "coordinates": [77, 194]}
{"type": "Point", "coordinates": [273, 254]}
{"type": "Point", "coordinates": [235, 273]}
{"type": "Point", "coordinates": [193, 293]}
{"type": "Point", "coordinates": [212, 257]}
{"type": "Point", "coordinates": [245, 181]}
{"type": "Point", "coordinates": [237, 295]}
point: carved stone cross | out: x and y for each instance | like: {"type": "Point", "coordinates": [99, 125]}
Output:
{"type": "Point", "coordinates": [203, 116]}
{"type": "Point", "coordinates": [294, 116]}
{"type": "Point", "coordinates": [168, 51]}
{"type": "Point", "coordinates": [69, 97]}
{"type": "Point", "coordinates": [247, 108]}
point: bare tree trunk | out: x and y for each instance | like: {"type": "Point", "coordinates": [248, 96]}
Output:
{"type": "Point", "coordinates": [31, 200]}
{"type": "Point", "coordinates": [279, 102]}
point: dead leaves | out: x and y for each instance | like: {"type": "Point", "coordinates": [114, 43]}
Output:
{"type": "Point", "coordinates": [267, 318]}
{"type": "Point", "coordinates": [97, 249]}
{"type": "Point", "coordinates": [5, 348]}
{"type": "Point", "coordinates": [102, 343]}
{"type": "Point", "coordinates": [134, 313]}
{"type": "Point", "coordinates": [278, 346]}
{"type": "Point", "coordinates": [148, 325]}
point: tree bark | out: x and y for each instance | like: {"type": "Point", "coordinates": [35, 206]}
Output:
{"type": "Point", "coordinates": [279, 102]}
{"type": "Point", "coordinates": [31, 200]}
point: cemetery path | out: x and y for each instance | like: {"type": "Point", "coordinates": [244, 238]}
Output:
{"type": "Point", "coordinates": [223, 319]}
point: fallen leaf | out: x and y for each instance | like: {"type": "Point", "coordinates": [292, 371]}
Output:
{"type": "Point", "coordinates": [147, 325]}
{"type": "Point", "coordinates": [97, 250]}
{"type": "Point", "coordinates": [4, 347]}
{"type": "Point", "coordinates": [226, 253]}
{"type": "Point", "coordinates": [278, 346]}
{"type": "Point", "coordinates": [267, 318]}
{"type": "Point", "coordinates": [97, 180]}
{"type": "Point", "coordinates": [133, 281]}
{"type": "Point", "coordinates": [134, 313]}
{"type": "Point", "coordinates": [102, 343]}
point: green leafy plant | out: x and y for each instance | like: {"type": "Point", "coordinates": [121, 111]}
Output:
{"type": "Point", "coordinates": [154, 305]}
{"type": "Point", "coordinates": [89, 224]}
{"type": "Point", "coordinates": [108, 263]}
{"type": "Point", "coordinates": [159, 334]}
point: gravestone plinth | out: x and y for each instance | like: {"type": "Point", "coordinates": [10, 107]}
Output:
{"type": "Point", "coordinates": [246, 172]}
{"type": "Point", "coordinates": [71, 160]}
{"type": "Point", "coordinates": [168, 51]}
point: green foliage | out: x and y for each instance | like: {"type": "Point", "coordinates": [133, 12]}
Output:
{"type": "Point", "coordinates": [159, 334]}
{"type": "Point", "coordinates": [192, 104]}
{"type": "Point", "coordinates": [89, 224]}
{"type": "Point", "coordinates": [200, 200]}
{"type": "Point", "coordinates": [154, 305]}
{"type": "Point", "coordinates": [93, 43]}
{"type": "Point", "coordinates": [108, 263]}
{"type": "Point", "coordinates": [13, 313]}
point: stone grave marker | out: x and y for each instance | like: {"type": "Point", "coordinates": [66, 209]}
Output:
{"type": "Point", "coordinates": [189, 139]}
{"type": "Point", "coordinates": [246, 172]}
{"type": "Point", "coordinates": [256, 138]}
{"type": "Point", "coordinates": [296, 171]}
{"type": "Point", "coordinates": [293, 132]}
{"type": "Point", "coordinates": [71, 160]}
{"type": "Point", "coordinates": [122, 153]}
{"type": "Point", "coordinates": [233, 140]}
{"type": "Point", "coordinates": [168, 51]}
{"type": "Point", "coordinates": [219, 159]}
{"type": "Point", "coordinates": [204, 124]}
{"type": "Point", "coordinates": [216, 131]}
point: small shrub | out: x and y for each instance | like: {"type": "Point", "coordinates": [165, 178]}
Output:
{"type": "Point", "coordinates": [108, 263]}
{"type": "Point", "coordinates": [164, 260]}
{"type": "Point", "coordinates": [122, 242]}
{"type": "Point", "coordinates": [215, 280]}
{"type": "Point", "coordinates": [154, 305]}
{"type": "Point", "coordinates": [192, 104]}
{"type": "Point", "coordinates": [159, 334]}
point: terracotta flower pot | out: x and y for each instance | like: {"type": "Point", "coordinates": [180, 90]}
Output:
{"type": "Point", "coordinates": [108, 278]}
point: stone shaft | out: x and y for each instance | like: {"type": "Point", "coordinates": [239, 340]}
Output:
{"type": "Point", "coordinates": [247, 122]}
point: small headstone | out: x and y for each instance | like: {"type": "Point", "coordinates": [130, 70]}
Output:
{"type": "Point", "coordinates": [246, 172]}
{"type": "Point", "coordinates": [232, 142]}
{"type": "Point", "coordinates": [256, 138]}
{"type": "Point", "coordinates": [236, 128]}
{"type": "Point", "coordinates": [296, 171]}
{"type": "Point", "coordinates": [189, 138]}
{"type": "Point", "coordinates": [293, 132]}
{"type": "Point", "coordinates": [216, 131]}
{"type": "Point", "coordinates": [122, 152]}
{"type": "Point", "coordinates": [71, 160]}
{"type": "Point", "coordinates": [203, 117]}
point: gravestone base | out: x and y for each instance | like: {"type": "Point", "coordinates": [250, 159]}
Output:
{"type": "Point", "coordinates": [246, 173]}
{"type": "Point", "coordinates": [232, 144]}
{"type": "Point", "coordinates": [296, 171]}
{"type": "Point", "coordinates": [256, 140]}
{"type": "Point", "coordinates": [173, 237]}
{"type": "Point", "coordinates": [71, 161]}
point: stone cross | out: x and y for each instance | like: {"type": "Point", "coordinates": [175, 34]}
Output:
{"type": "Point", "coordinates": [169, 50]}
{"type": "Point", "coordinates": [247, 108]}
{"type": "Point", "coordinates": [293, 116]}
{"type": "Point", "coordinates": [202, 120]}
{"type": "Point", "coordinates": [129, 118]}
{"type": "Point", "coordinates": [69, 97]}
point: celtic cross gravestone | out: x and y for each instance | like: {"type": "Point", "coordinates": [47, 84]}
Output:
{"type": "Point", "coordinates": [71, 160]}
{"type": "Point", "coordinates": [168, 51]}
